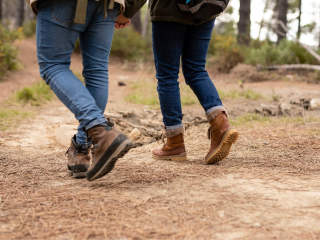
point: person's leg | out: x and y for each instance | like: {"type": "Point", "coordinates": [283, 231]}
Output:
{"type": "Point", "coordinates": [194, 66]}
{"type": "Point", "coordinates": [194, 54]}
{"type": "Point", "coordinates": [55, 43]}
{"type": "Point", "coordinates": [168, 39]}
{"type": "Point", "coordinates": [95, 44]}
{"type": "Point", "coordinates": [56, 35]}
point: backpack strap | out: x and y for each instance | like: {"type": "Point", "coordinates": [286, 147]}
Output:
{"type": "Point", "coordinates": [105, 9]}
{"type": "Point", "coordinates": [111, 4]}
{"type": "Point", "coordinates": [81, 12]}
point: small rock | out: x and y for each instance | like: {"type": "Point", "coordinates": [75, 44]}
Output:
{"type": "Point", "coordinates": [1, 141]}
{"type": "Point", "coordinates": [272, 110]}
{"type": "Point", "coordinates": [220, 214]}
{"type": "Point", "coordinates": [285, 108]}
{"type": "Point", "coordinates": [149, 140]}
{"type": "Point", "coordinates": [315, 103]}
{"type": "Point", "coordinates": [257, 225]}
{"type": "Point", "coordinates": [135, 134]}
{"type": "Point", "coordinates": [123, 124]}
{"type": "Point", "coordinates": [121, 84]}
{"type": "Point", "coordinates": [137, 144]}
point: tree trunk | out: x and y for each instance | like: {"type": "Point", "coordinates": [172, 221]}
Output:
{"type": "Point", "coordinates": [0, 11]}
{"type": "Point", "coordinates": [282, 16]}
{"type": "Point", "coordinates": [136, 22]}
{"type": "Point", "coordinates": [319, 32]}
{"type": "Point", "coordinates": [21, 13]}
{"type": "Point", "coordinates": [244, 23]}
{"type": "Point", "coordinates": [145, 24]}
{"type": "Point", "coordinates": [299, 21]}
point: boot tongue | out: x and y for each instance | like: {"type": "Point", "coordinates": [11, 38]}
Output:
{"type": "Point", "coordinates": [78, 147]}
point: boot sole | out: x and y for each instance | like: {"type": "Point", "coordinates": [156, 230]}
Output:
{"type": "Point", "coordinates": [109, 161]}
{"type": "Point", "coordinates": [178, 158]}
{"type": "Point", "coordinates": [80, 174]}
{"type": "Point", "coordinates": [223, 149]}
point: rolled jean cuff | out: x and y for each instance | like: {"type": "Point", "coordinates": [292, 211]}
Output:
{"type": "Point", "coordinates": [173, 131]}
{"type": "Point", "coordinates": [94, 123]}
{"type": "Point", "coordinates": [212, 113]}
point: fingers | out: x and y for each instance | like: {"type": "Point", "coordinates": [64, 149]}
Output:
{"type": "Point", "coordinates": [120, 24]}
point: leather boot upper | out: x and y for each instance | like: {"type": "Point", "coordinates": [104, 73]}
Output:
{"type": "Point", "coordinates": [174, 146]}
{"type": "Point", "coordinates": [78, 154]}
{"type": "Point", "coordinates": [217, 129]}
{"type": "Point", "coordinates": [102, 136]}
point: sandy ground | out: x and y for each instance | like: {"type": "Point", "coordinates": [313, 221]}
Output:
{"type": "Point", "coordinates": [267, 188]}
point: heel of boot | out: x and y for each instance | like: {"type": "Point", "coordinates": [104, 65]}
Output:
{"type": "Point", "coordinates": [177, 158]}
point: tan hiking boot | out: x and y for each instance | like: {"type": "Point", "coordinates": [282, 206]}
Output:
{"type": "Point", "coordinates": [222, 136]}
{"type": "Point", "coordinates": [173, 150]}
{"type": "Point", "coordinates": [109, 145]}
{"type": "Point", "coordinates": [78, 159]}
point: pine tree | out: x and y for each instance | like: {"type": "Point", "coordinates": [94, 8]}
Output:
{"type": "Point", "coordinates": [282, 16]}
{"type": "Point", "coordinates": [244, 23]}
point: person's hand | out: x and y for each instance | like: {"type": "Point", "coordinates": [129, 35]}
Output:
{"type": "Point", "coordinates": [122, 22]}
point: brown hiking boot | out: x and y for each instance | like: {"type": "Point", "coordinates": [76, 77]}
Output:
{"type": "Point", "coordinates": [78, 159]}
{"type": "Point", "coordinates": [173, 150]}
{"type": "Point", "coordinates": [109, 145]}
{"type": "Point", "coordinates": [222, 136]}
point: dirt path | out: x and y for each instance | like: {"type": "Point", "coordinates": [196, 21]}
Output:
{"type": "Point", "coordinates": [267, 188]}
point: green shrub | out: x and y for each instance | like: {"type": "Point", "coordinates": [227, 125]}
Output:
{"type": "Point", "coordinates": [37, 94]}
{"type": "Point", "coordinates": [129, 45]}
{"type": "Point", "coordinates": [9, 117]}
{"type": "Point", "coordinates": [139, 94]}
{"type": "Point", "coordinates": [29, 28]}
{"type": "Point", "coordinates": [287, 52]}
{"type": "Point", "coordinates": [224, 52]}
{"type": "Point", "coordinates": [8, 52]}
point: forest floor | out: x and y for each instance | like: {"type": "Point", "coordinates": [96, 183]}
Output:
{"type": "Point", "coordinates": [267, 188]}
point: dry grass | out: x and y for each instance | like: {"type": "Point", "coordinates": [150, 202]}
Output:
{"type": "Point", "coordinates": [267, 188]}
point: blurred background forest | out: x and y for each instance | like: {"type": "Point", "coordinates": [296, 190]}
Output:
{"type": "Point", "coordinates": [248, 32]}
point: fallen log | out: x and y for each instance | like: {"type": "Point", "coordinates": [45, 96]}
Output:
{"type": "Point", "coordinates": [313, 53]}
{"type": "Point", "coordinates": [291, 66]}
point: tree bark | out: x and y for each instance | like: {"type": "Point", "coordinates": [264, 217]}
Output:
{"type": "Point", "coordinates": [21, 13]}
{"type": "Point", "coordinates": [0, 11]}
{"type": "Point", "coordinates": [145, 24]}
{"type": "Point", "coordinates": [136, 22]}
{"type": "Point", "coordinates": [319, 31]}
{"type": "Point", "coordinates": [282, 16]}
{"type": "Point", "coordinates": [299, 21]}
{"type": "Point", "coordinates": [244, 23]}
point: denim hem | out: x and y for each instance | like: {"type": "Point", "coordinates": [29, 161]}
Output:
{"type": "Point", "coordinates": [213, 108]}
{"type": "Point", "coordinates": [216, 112]}
{"type": "Point", "coordinates": [174, 127]}
{"type": "Point", "coordinates": [96, 122]}
{"type": "Point", "coordinates": [174, 132]}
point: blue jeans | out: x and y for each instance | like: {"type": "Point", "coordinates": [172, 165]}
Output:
{"type": "Point", "coordinates": [172, 41]}
{"type": "Point", "coordinates": [56, 37]}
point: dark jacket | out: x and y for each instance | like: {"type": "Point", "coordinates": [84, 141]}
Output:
{"type": "Point", "coordinates": [132, 7]}
{"type": "Point", "coordinates": [168, 10]}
